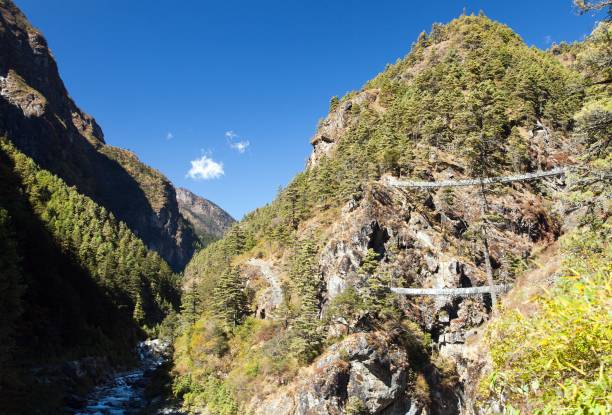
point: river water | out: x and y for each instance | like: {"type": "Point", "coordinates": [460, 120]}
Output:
{"type": "Point", "coordinates": [124, 393]}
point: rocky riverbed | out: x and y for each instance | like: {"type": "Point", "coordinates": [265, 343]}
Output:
{"type": "Point", "coordinates": [124, 392]}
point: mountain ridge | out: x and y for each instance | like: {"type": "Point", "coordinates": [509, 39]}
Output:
{"type": "Point", "coordinates": [41, 119]}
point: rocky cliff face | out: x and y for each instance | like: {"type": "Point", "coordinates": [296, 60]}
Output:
{"type": "Point", "coordinates": [372, 369]}
{"type": "Point", "coordinates": [338, 121]}
{"type": "Point", "coordinates": [208, 220]}
{"type": "Point", "coordinates": [40, 118]}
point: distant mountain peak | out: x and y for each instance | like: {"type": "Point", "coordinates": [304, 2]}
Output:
{"type": "Point", "coordinates": [208, 219]}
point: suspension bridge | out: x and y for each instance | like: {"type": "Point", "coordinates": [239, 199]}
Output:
{"type": "Point", "coordinates": [558, 171]}
{"type": "Point", "coordinates": [452, 292]}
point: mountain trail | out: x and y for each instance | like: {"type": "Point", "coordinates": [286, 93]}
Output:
{"type": "Point", "coordinates": [271, 277]}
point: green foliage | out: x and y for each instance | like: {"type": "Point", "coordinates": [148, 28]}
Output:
{"type": "Point", "coordinates": [518, 152]}
{"type": "Point", "coordinates": [591, 185]}
{"type": "Point", "coordinates": [369, 263]}
{"type": "Point", "coordinates": [595, 124]}
{"type": "Point", "coordinates": [378, 300]}
{"type": "Point", "coordinates": [484, 120]}
{"type": "Point", "coordinates": [209, 266]}
{"type": "Point", "coordinates": [346, 308]}
{"type": "Point", "coordinates": [355, 406]}
{"type": "Point", "coordinates": [466, 88]}
{"type": "Point", "coordinates": [74, 282]}
{"type": "Point", "coordinates": [306, 337]}
{"type": "Point", "coordinates": [251, 353]}
{"type": "Point", "coordinates": [213, 394]}
{"type": "Point", "coordinates": [589, 5]}
{"type": "Point", "coordinates": [230, 298]}
{"type": "Point", "coordinates": [563, 364]}
{"type": "Point", "coordinates": [594, 120]}
{"type": "Point", "coordinates": [138, 314]}
{"type": "Point", "coordinates": [191, 304]}
{"type": "Point", "coordinates": [333, 103]}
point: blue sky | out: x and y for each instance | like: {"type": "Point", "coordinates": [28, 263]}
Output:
{"type": "Point", "coordinates": [231, 91]}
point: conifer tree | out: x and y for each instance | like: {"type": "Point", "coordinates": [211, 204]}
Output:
{"type": "Point", "coordinates": [190, 304]}
{"type": "Point", "coordinates": [304, 274]}
{"type": "Point", "coordinates": [230, 298]}
{"type": "Point", "coordinates": [484, 146]}
{"type": "Point", "coordinates": [139, 314]}
{"type": "Point", "coordinates": [378, 300]}
{"type": "Point", "coordinates": [116, 259]}
{"type": "Point", "coordinates": [292, 207]}
{"type": "Point", "coordinates": [346, 308]}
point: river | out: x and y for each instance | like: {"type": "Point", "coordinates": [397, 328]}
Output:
{"type": "Point", "coordinates": [124, 393]}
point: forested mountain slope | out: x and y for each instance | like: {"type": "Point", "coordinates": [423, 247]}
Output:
{"type": "Point", "coordinates": [76, 283]}
{"type": "Point", "coordinates": [469, 100]}
{"type": "Point", "coordinates": [39, 117]}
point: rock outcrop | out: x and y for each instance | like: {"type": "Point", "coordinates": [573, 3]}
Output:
{"type": "Point", "coordinates": [336, 123]}
{"type": "Point", "coordinates": [208, 220]}
{"type": "Point", "coordinates": [42, 121]}
{"type": "Point", "coordinates": [368, 367]}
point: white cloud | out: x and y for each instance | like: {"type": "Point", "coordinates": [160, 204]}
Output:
{"type": "Point", "coordinates": [205, 168]}
{"type": "Point", "coordinates": [169, 136]}
{"type": "Point", "coordinates": [240, 146]}
{"type": "Point", "coordinates": [548, 39]}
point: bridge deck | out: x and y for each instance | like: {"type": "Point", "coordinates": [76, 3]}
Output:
{"type": "Point", "coordinates": [450, 292]}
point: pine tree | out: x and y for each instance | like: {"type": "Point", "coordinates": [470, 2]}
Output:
{"type": "Point", "coordinates": [235, 241]}
{"type": "Point", "coordinates": [484, 146]}
{"type": "Point", "coordinates": [190, 304]}
{"type": "Point", "coordinates": [230, 298]}
{"type": "Point", "coordinates": [291, 209]}
{"type": "Point", "coordinates": [307, 340]}
{"type": "Point", "coordinates": [518, 151]}
{"type": "Point", "coordinates": [138, 314]}
{"type": "Point", "coordinates": [346, 308]}
{"type": "Point", "coordinates": [378, 300]}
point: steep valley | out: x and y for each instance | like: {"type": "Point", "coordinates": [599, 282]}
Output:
{"type": "Point", "coordinates": [91, 239]}
{"type": "Point", "coordinates": [295, 310]}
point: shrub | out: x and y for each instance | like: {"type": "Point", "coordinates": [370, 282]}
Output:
{"type": "Point", "coordinates": [562, 362]}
